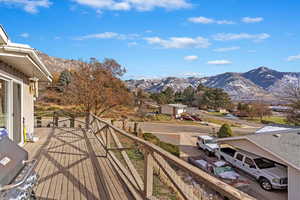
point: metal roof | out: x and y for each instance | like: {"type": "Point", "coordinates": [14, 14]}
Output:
{"type": "Point", "coordinates": [177, 105]}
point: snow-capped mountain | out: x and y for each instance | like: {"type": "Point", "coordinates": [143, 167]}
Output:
{"type": "Point", "coordinates": [261, 83]}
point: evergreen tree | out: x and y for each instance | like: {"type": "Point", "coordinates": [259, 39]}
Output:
{"type": "Point", "coordinates": [188, 95]}
{"type": "Point", "coordinates": [64, 78]}
{"type": "Point", "coordinates": [225, 131]}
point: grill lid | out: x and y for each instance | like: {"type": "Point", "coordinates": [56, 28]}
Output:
{"type": "Point", "coordinates": [12, 158]}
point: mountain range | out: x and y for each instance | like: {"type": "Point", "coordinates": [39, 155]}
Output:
{"type": "Point", "coordinates": [261, 83]}
{"type": "Point", "coordinates": [258, 84]}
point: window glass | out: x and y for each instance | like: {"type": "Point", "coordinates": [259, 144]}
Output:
{"type": "Point", "coordinates": [239, 157]}
{"type": "Point", "coordinates": [3, 104]}
{"type": "Point", "coordinates": [249, 161]}
{"type": "Point", "coordinates": [263, 163]}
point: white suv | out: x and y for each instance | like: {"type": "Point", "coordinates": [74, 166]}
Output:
{"type": "Point", "coordinates": [207, 144]}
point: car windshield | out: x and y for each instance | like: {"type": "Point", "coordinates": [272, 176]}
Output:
{"type": "Point", "coordinates": [220, 170]}
{"type": "Point", "coordinates": [263, 163]}
{"type": "Point", "coordinates": [209, 142]}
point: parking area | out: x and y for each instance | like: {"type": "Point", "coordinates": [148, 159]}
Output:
{"type": "Point", "coordinates": [253, 188]}
{"type": "Point", "coordinates": [186, 137]}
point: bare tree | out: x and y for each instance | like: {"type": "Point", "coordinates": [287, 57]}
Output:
{"type": "Point", "coordinates": [95, 88]}
{"type": "Point", "coordinates": [292, 96]}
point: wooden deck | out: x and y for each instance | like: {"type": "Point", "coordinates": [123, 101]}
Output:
{"type": "Point", "coordinates": [72, 165]}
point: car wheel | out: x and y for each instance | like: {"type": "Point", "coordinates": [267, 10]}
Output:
{"type": "Point", "coordinates": [207, 152]}
{"type": "Point", "coordinates": [265, 184]}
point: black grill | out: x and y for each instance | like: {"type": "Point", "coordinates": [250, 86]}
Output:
{"type": "Point", "coordinates": [17, 176]}
{"type": "Point", "coordinates": [284, 181]}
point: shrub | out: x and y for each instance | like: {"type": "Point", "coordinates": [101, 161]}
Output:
{"type": "Point", "coordinates": [225, 131]}
{"type": "Point", "coordinates": [171, 148]}
{"type": "Point", "coordinates": [265, 121]}
{"type": "Point", "coordinates": [151, 138]}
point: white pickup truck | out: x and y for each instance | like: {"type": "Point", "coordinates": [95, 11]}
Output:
{"type": "Point", "coordinates": [269, 174]}
{"type": "Point", "coordinates": [207, 144]}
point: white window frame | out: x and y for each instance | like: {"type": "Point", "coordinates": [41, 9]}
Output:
{"type": "Point", "coordinates": [10, 81]}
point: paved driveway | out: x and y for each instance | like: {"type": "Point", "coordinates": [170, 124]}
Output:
{"type": "Point", "coordinates": [185, 137]}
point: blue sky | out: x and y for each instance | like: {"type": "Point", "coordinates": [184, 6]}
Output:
{"type": "Point", "coordinates": [158, 38]}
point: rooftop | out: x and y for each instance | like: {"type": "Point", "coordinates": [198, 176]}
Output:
{"type": "Point", "coordinates": [284, 144]}
{"type": "Point", "coordinates": [178, 105]}
{"type": "Point", "coordinates": [22, 57]}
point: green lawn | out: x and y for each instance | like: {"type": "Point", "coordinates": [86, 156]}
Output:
{"type": "Point", "coordinates": [271, 120]}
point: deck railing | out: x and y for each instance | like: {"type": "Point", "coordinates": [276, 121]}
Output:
{"type": "Point", "coordinates": [149, 171]}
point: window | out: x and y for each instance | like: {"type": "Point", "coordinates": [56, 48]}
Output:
{"type": "Point", "coordinates": [263, 163]}
{"type": "Point", "coordinates": [239, 157]}
{"type": "Point", "coordinates": [249, 161]}
{"type": "Point", "coordinates": [3, 104]}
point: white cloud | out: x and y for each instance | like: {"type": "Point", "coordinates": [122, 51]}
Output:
{"type": "Point", "coordinates": [240, 36]}
{"type": "Point", "coordinates": [130, 44]}
{"type": "Point", "coordinates": [226, 49]}
{"type": "Point", "coordinates": [24, 35]}
{"type": "Point", "coordinates": [204, 20]}
{"type": "Point", "coordinates": [293, 58]}
{"type": "Point", "coordinates": [252, 20]}
{"type": "Point", "coordinates": [179, 42]}
{"type": "Point", "coordinates": [140, 5]}
{"type": "Point", "coordinates": [30, 6]}
{"type": "Point", "coordinates": [191, 58]}
{"type": "Point", "coordinates": [219, 62]}
{"type": "Point", "coordinates": [192, 74]}
{"type": "Point", "coordinates": [108, 35]}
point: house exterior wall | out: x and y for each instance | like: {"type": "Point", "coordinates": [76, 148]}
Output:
{"type": "Point", "coordinates": [28, 109]}
{"type": "Point", "coordinates": [166, 109]}
{"type": "Point", "coordinates": [180, 111]}
{"type": "Point", "coordinates": [27, 112]}
{"type": "Point", "coordinates": [293, 184]}
{"type": "Point", "coordinates": [171, 110]}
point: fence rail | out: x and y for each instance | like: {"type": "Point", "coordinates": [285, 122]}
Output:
{"type": "Point", "coordinates": [149, 171]}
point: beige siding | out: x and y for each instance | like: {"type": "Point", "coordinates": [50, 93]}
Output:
{"type": "Point", "coordinates": [293, 184]}
{"type": "Point", "coordinates": [28, 107]}
{"type": "Point", "coordinates": [166, 109]}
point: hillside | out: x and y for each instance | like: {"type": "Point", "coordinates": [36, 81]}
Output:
{"type": "Point", "coordinates": [57, 64]}
{"type": "Point", "coordinates": [260, 83]}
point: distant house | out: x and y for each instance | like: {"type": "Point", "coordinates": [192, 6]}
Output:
{"type": "Point", "coordinates": [173, 109]}
{"type": "Point", "coordinates": [280, 108]}
{"type": "Point", "coordinates": [20, 71]}
{"type": "Point", "coordinates": [280, 146]}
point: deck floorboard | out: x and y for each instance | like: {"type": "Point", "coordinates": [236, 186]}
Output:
{"type": "Point", "coordinates": [72, 165]}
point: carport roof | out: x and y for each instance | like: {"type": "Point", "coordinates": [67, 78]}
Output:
{"type": "Point", "coordinates": [282, 144]}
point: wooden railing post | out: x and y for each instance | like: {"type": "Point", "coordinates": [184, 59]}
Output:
{"type": "Point", "coordinates": [55, 119]}
{"type": "Point", "coordinates": [87, 121]}
{"type": "Point", "coordinates": [39, 121]}
{"type": "Point", "coordinates": [72, 122]}
{"type": "Point", "coordinates": [108, 139]}
{"type": "Point", "coordinates": [148, 181]}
